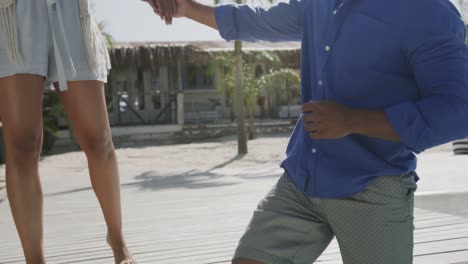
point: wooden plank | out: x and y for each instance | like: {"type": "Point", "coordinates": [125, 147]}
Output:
{"type": "Point", "coordinates": [448, 258]}
{"type": "Point", "coordinates": [177, 215]}
{"type": "Point", "coordinates": [441, 234]}
{"type": "Point", "coordinates": [175, 239]}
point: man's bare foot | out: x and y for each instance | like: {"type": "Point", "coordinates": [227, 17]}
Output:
{"type": "Point", "coordinates": [122, 254]}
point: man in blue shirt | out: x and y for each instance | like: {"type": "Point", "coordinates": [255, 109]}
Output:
{"type": "Point", "coordinates": [381, 81]}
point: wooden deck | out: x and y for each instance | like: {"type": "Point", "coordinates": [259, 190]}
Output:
{"type": "Point", "coordinates": [174, 214]}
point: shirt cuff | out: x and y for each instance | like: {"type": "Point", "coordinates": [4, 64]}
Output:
{"type": "Point", "coordinates": [409, 125]}
{"type": "Point", "coordinates": [225, 20]}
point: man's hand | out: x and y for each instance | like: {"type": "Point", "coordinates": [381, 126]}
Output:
{"type": "Point", "coordinates": [169, 9]}
{"type": "Point", "coordinates": [330, 120]}
{"type": "Point", "coordinates": [327, 120]}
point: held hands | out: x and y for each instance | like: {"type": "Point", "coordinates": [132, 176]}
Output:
{"type": "Point", "coordinates": [169, 9]}
{"type": "Point", "coordinates": [327, 120]}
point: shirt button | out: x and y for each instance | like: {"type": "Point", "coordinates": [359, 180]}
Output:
{"type": "Point", "coordinates": [320, 83]}
{"type": "Point", "coordinates": [335, 11]}
{"type": "Point", "coordinates": [314, 150]}
{"type": "Point", "coordinates": [327, 48]}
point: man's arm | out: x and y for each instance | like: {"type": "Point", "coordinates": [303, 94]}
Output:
{"type": "Point", "coordinates": [330, 120]}
{"type": "Point", "coordinates": [438, 55]}
{"type": "Point", "coordinates": [281, 22]}
{"type": "Point", "coordinates": [436, 51]}
{"type": "Point", "coordinates": [202, 14]}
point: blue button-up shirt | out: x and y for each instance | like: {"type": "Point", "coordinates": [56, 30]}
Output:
{"type": "Point", "coordinates": [407, 57]}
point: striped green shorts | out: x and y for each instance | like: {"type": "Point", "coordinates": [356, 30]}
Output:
{"type": "Point", "coordinates": [371, 227]}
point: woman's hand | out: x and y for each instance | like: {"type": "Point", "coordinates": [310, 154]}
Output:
{"type": "Point", "coordinates": [169, 9]}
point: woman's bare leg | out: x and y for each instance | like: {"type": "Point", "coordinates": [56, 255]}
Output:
{"type": "Point", "coordinates": [21, 111]}
{"type": "Point", "coordinates": [85, 105]}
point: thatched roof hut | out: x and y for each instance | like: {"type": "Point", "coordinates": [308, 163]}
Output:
{"type": "Point", "coordinates": [150, 75]}
{"type": "Point", "coordinates": [151, 55]}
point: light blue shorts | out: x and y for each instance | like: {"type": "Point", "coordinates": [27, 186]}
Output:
{"type": "Point", "coordinates": [57, 39]}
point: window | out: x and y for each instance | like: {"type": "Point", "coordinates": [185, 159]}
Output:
{"type": "Point", "coordinates": [197, 78]}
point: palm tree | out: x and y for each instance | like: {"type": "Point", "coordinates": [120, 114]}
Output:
{"type": "Point", "coordinates": [251, 91]}
{"type": "Point", "coordinates": [251, 83]}
{"type": "Point", "coordinates": [239, 98]}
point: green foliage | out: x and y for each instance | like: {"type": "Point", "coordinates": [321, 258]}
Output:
{"type": "Point", "coordinates": [224, 64]}
{"type": "Point", "coordinates": [284, 74]}
{"type": "Point", "coordinates": [267, 57]}
{"type": "Point", "coordinates": [284, 77]}
{"type": "Point", "coordinates": [251, 87]}
{"type": "Point", "coordinates": [107, 36]}
{"type": "Point", "coordinates": [52, 111]}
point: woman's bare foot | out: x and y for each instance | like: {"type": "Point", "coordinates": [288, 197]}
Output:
{"type": "Point", "coordinates": [122, 254]}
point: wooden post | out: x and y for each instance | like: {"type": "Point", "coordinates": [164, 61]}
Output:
{"type": "Point", "coordinates": [148, 94]}
{"type": "Point", "coordinates": [180, 108]}
{"type": "Point", "coordinates": [179, 105]}
{"type": "Point", "coordinates": [164, 87]}
{"type": "Point", "coordinates": [180, 83]}
{"type": "Point", "coordinates": [240, 112]}
{"type": "Point", "coordinates": [180, 93]}
{"type": "Point", "coordinates": [239, 102]}
{"type": "Point", "coordinates": [132, 92]}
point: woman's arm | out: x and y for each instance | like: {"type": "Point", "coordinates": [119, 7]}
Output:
{"type": "Point", "coordinates": [281, 22]}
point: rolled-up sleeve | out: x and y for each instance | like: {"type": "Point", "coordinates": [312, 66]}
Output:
{"type": "Point", "coordinates": [439, 59]}
{"type": "Point", "coordinates": [281, 22]}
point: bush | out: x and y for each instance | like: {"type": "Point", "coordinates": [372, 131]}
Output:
{"type": "Point", "coordinates": [52, 111]}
